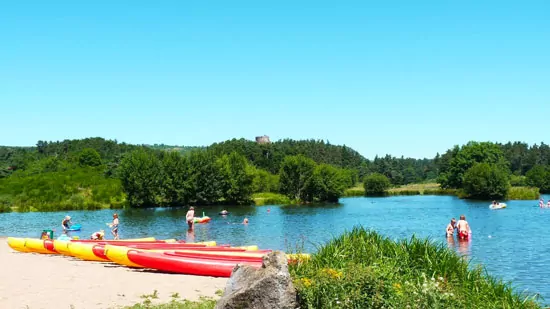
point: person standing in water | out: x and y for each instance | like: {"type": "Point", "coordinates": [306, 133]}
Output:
{"type": "Point", "coordinates": [66, 223]}
{"type": "Point", "coordinates": [114, 226]}
{"type": "Point", "coordinates": [451, 228]}
{"type": "Point", "coordinates": [463, 228]}
{"type": "Point", "coordinates": [190, 217]}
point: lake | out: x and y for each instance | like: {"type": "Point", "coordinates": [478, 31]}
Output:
{"type": "Point", "coordinates": [512, 243]}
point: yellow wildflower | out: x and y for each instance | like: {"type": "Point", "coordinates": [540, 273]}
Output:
{"type": "Point", "coordinates": [306, 282]}
{"type": "Point", "coordinates": [333, 273]}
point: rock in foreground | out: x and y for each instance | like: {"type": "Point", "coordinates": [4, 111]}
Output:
{"type": "Point", "coordinates": [267, 287]}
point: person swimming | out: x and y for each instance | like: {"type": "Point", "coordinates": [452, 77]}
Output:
{"type": "Point", "coordinates": [245, 221]}
{"type": "Point", "coordinates": [98, 235]}
{"type": "Point", "coordinates": [224, 212]}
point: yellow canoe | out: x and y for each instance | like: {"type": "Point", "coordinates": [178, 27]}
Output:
{"type": "Point", "coordinates": [84, 252]}
{"type": "Point", "coordinates": [118, 254]}
{"type": "Point", "coordinates": [63, 246]}
{"type": "Point", "coordinates": [17, 244]}
{"type": "Point", "coordinates": [37, 246]}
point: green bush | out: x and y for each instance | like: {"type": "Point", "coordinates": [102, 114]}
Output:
{"type": "Point", "coordinates": [518, 181]}
{"type": "Point", "coordinates": [362, 269]}
{"type": "Point", "coordinates": [376, 184]}
{"type": "Point", "coordinates": [268, 198]}
{"type": "Point", "coordinates": [486, 181]}
{"type": "Point", "coordinates": [523, 193]}
{"type": "Point", "coordinates": [539, 176]}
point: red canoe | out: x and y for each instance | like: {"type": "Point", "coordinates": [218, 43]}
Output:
{"type": "Point", "coordinates": [186, 265]}
{"type": "Point", "coordinates": [215, 256]}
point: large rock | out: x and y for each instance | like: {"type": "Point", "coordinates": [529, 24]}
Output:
{"type": "Point", "coordinates": [267, 287]}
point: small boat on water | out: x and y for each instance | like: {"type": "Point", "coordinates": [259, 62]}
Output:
{"type": "Point", "coordinates": [497, 206]}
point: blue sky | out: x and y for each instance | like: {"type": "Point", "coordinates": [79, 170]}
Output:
{"type": "Point", "coordinates": [401, 77]}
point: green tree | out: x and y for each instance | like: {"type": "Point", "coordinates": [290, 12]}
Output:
{"type": "Point", "coordinates": [329, 183]}
{"type": "Point", "coordinates": [237, 178]}
{"type": "Point", "coordinates": [539, 176]}
{"type": "Point", "coordinates": [89, 157]}
{"type": "Point", "coordinates": [462, 159]}
{"type": "Point", "coordinates": [205, 178]}
{"type": "Point", "coordinates": [376, 184]}
{"type": "Point", "coordinates": [176, 186]}
{"type": "Point", "coordinates": [141, 174]}
{"type": "Point", "coordinates": [296, 178]}
{"type": "Point", "coordinates": [486, 181]}
{"type": "Point", "coordinates": [264, 181]}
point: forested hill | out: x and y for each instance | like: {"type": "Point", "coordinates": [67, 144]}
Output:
{"type": "Point", "coordinates": [269, 156]}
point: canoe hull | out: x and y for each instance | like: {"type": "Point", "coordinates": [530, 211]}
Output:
{"type": "Point", "coordinates": [185, 265]}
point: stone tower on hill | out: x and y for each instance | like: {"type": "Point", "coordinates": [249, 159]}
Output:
{"type": "Point", "coordinates": [263, 139]}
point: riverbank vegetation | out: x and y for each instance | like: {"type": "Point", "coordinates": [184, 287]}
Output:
{"type": "Point", "coordinates": [373, 271]}
{"type": "Point", "coordinates": [78, 174]}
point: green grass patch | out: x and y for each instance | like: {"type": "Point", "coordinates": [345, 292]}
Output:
{"type": "Point", "coordinates": [269, 198]}
{"type": "Point", "coordinates": [76, 188]}
{"type": "Point", "coordinates": [175, 303]}
{"type": "Point", "coordinates": [523, 193]}
{"type": "Point", "coordinates": [430, 188]}
{"type": "Point", "coordinates": [362, 269]}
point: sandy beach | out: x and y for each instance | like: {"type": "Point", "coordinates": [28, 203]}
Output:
{"type": "Point", "coordinates": [37, 281]}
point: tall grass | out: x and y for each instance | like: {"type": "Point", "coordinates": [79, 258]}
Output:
{"type": "Point", "coordinates": [268, 198]}
{"type": "Point", "coordinates": [362, 269]}
{"type": "Point", "coordinates": [523, 193]}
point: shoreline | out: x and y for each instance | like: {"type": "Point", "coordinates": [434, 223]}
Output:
{"type": "Point", "coordinates": [31, 280]}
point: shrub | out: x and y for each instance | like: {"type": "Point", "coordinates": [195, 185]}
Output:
{"type": "Point", "coordinates": [523, 193]}
{"type": "Point", "coordinates": [376, 184]}
{"type": "Point", "coordinates": [362, 269]}
{"type": "Point", "coordinates": [486, 181]}
{"type": "Point", "coordinates": [539, 176]}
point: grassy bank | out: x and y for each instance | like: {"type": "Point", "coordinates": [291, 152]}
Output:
{"type": "Point", "coordinates": [410, 189]}
{"type": "Point", "coordinates": [361, 269]}
{"type": "Point", "coordinates": [71, 189]}
{"type": "Point", "coordinates": [268, 198]}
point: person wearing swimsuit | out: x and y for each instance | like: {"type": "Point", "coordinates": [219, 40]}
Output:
{"type": "Point", "coordinates": [451, 228]}
{"type": "Point", "coordinates": [463, 228]}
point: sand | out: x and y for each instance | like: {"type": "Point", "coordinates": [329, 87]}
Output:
{"type": "Point", "coordinates": [35, 281]}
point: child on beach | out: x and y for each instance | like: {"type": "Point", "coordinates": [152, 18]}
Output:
{"type": "Point", "coordinates": [190, 217]}
{"type": "Point", "coordinates": [98, 235]}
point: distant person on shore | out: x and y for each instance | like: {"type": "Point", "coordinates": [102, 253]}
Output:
{"type": "Point", "coordinates": [114, 226]}
{"type": "Point", "coordinates": [98, 235]}
{"type": "Point", "coordinates": [66, 223]}
{"type": "Point", "coordinates": [463, 227]}
{"type": "Point", "coordinates": [451, 228]}
{"type": "Point", "coordinates": [190, 217]}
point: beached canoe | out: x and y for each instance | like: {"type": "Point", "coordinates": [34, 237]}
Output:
{"type": "Point", "coordinates": [185, 265]}
{"type": "Point", "coordinates": [17, 244]}
{"type": "Point", "coordinates": [125, 241]}
{"type": "Point", "coordinates": [37, 246]}
{"type": "Point", "coordinates": [85, 252]}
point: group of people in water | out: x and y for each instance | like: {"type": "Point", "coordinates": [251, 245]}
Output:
{"type": "Point", "coordinates": [542, 205]}
{"type": "Point", "coordinates": [190, 217]}
{"type": "Point", "coordinates": [99, 235]}
{"type": "Point", "coordinates": [462, 227]}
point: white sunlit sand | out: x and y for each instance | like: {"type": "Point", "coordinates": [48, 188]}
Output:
{"type": "Point", "coordinates": [36, 281]}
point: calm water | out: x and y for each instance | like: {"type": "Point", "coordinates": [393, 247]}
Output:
{"type": "Point", "coordinates": [512, 243]}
